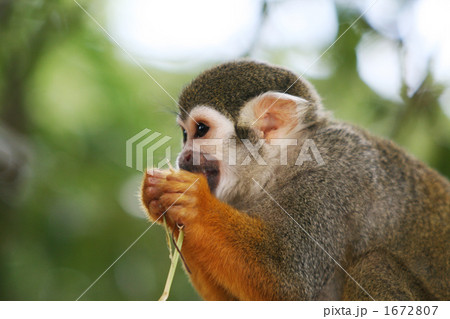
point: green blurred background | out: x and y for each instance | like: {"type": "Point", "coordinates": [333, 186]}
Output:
{"type": "Point", "coordinates": [70, 98]}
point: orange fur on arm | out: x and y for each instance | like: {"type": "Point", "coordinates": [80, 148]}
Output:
{"type": "Point", "coordinates": [221, 246]}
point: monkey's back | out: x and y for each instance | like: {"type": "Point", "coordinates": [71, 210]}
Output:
{"type": "Point", "coordinates": [370, 195]}
{"type": "Point", "coordinates": [420, 238]}
{"type": "Point", "coordinates": [406, 214]}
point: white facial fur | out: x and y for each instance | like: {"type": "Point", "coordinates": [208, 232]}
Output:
{"type": "Point", "coordinates": [220, 127]}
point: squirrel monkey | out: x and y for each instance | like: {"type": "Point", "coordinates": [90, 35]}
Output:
{"type": "Point", "coordinates": [363, 221]}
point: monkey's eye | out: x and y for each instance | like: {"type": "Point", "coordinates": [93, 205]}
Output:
{"type": "Point", "coordinates": [202, 129]}
{"type": "Point", "coordinates": [184, 135]}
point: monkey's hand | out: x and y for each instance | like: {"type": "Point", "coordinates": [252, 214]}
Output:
{"type": "Point", "coordinates": [151, 193]}
{"type": "Point", "coordinates": [176, 194]}
{"type": "Point", "coordinates": [222, 246]}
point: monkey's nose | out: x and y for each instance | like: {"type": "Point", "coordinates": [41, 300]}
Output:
{"type": "Point", "coordinates": [187, 157]}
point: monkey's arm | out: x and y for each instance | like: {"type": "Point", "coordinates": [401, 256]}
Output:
{"type": "Point", "coordinates": [224, 249]}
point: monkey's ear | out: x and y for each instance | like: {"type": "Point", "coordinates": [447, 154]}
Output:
{"type": "Point", "coordinates": [275, 115]}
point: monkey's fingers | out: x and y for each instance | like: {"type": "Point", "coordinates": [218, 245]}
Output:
{"type": "Point", "coordinates": [183, 176]}
{"type": "Point", "coordinates": [153, 181]}
{"type": "Point", "coordinates": [174, 186]}
{"type": "Point", "coordinates": [150, 189]}
{"type": "Point", "coordinates": [157, 173]}
{"type": "Point", "coordinates": [178, 215]}
{"type": "Point", "coordinates": [169, 200]}
{"type": "Point", "coordinates": [155, 210]}
{"type": "Point", "coordinates": [150, 193]}
{"type": "Point", "coordinates": [175, 216]}
{"type": "Point", "coordinates": [173, 213]}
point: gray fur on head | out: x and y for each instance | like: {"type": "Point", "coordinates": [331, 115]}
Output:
{"type": "Point", "coordinates": [227, 87]}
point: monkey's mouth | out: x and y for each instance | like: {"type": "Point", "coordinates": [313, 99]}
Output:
{"type": "Point", "coordinates": [212, 176]}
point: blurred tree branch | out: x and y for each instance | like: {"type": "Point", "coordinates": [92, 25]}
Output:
{"type": "Point", "coordinates": [27, 30]}
{"type": "Point", "coordinates": [423, 102]}
{"type": "Point", "coordinates": [41, 26]}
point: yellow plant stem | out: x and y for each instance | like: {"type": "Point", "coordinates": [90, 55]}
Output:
{"type": "Point", "coordinates": [175, 256]}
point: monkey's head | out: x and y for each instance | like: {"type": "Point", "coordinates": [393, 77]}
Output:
{"type": "Point", "coordinates": [233, 108]}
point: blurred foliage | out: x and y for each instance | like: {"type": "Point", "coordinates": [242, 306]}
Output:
{"type": "Point", "coordinates": [69, 100]}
